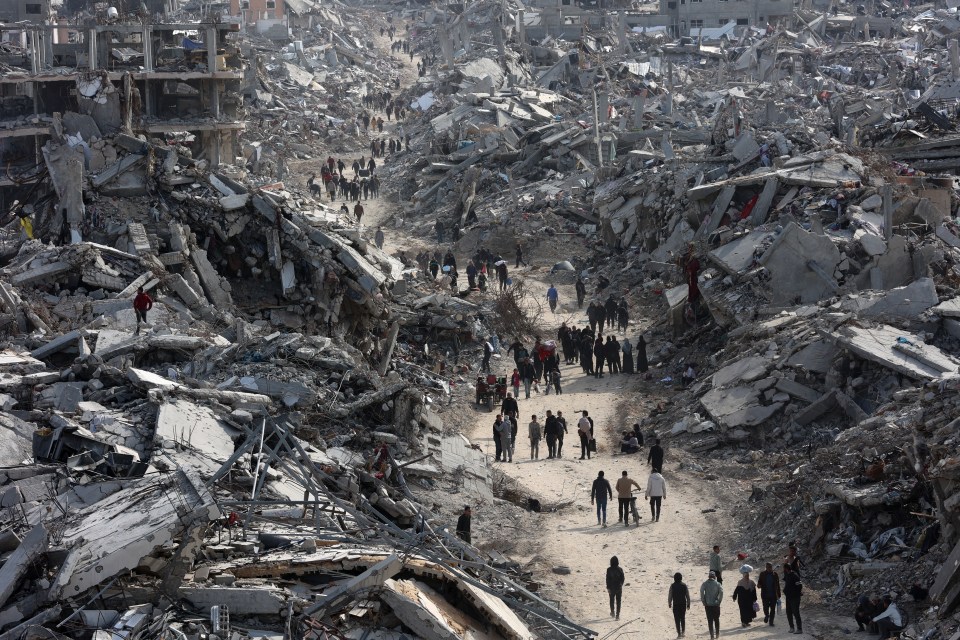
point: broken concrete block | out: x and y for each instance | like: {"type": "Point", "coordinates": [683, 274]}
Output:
{"type": "Point", "coordinates": [873, 245]}
{"type": "Point", "coordinates": [798, 261]}
{"type": "Point", "coordinates": [16, 566]}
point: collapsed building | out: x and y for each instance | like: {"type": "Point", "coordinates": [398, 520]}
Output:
{"type": "Point", "coordinates": [251, 461]}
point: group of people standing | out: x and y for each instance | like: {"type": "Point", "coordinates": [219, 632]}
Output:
{"type": "Point", "coordinates": [765, 594]}
{"type": "Point", "coordinates": [588, 348]}
{"type": "Point", "coordinates": [607, 313]}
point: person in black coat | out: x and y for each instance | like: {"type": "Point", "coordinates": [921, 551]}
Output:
{"type": "Point", "coordinates": [678, 599]}
{"type": "Point", "coordinates": [599, 352]}
{"type": "Point", "coordinates": [463, 525]}
{"type": "Point", "coordinates": [655, 457]}
{"type": "Point", "coordinates": [641, 355]}
{"type": "Point", "coordinates": [615, 580]}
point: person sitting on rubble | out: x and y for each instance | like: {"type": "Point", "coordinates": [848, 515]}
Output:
{"type": "Point", "coordinates": [688, 376]}
{"type": "Point", "coordinates": [889, 620]}
{"type": "Point", "coordinates": [868, 607]}
{"type": "Point", "coordinates": [629, 444]}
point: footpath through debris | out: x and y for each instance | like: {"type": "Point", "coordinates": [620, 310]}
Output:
{"type": "Point", "coordinates": [280, 449]}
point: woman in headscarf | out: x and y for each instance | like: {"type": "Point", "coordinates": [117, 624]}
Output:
{"type": "Point", "coordinates": [627, 349]}
{"type": "Point", "coordinates": [641, 354]}
{"type": "Point", "coordinates": [745, 596]}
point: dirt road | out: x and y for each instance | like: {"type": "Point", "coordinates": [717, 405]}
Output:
{"type": "Point", "coordinates": [649, 553]}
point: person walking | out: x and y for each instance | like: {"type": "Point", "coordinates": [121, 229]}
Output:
{"type": "Point", "coordinates": [581, 292]}
{"type": "Point", "coordinates": [520, 257]}
{"type": "Point", "coordinates": [745, 595]}
{"type": "Point", "coordinates": [599, 353]}
{"type": "Point", "coordinates": [555, 376]}
{"type": "Point", "coordinates": [641, 354]}
{"type": "Point", "coordinates": [505, 433]}
{"type": "Point", "coordinates": [509, 407]}
{"type": "Point", "coordinates": [627, 350]}
{"type": "Point", "coordinates": [358, 211]}
{"type": "Point", "coordinates": [552, 297]}
{"type": "Point", "coordinates": [496, 437]}
{"type": "Point", "coordinates": [678, 599]}
{"type": "Point", "coordinates": [142, 303]}
{"type": "Point", "coordinates": [584, 429]}
{"type": "Point", "coordinates": [655, 456]}
{"type": "Point", "coordinates": [562, 423]}
{"type": "Point", "coordinates": [599, 492]}
{"type": "Point", "coordinates": [515, 383]}
{"type": "Point", "coordinates": [535, 431]}
{"type": "Point", "coordinates": [615, 580]}
{"type": "Point", "coordinates": [378, 238]}
{"type": "Point", "coordinates": [527, 374]}
{"type": "Point", "coordinates": [487, 352]}
{"type": "Point", "coordinates": [711, 595]}
{"type": "Point", "coordinates": [716, 563]}
{"type": "Point", "coordinates": [656, 492]}
{"type": "Point", "coordinates": [624, 493]}
{"type": "Point", "coordinates": [792, 590]}
{"type": "Point", "coordinates": [769, 584]}
{"type": "Point", "coordinates": [550, 428]}
{"type": "Point", "coordinates": [463, 525]}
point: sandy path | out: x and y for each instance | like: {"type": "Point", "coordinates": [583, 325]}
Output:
{"type": "Point", "coordinates": [649, 553]}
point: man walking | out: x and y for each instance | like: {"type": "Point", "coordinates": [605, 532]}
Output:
{"type": "Point", "coordinates": [584, 428]}
{"type": "Point", "coordinates": [600, 491]}
{"type": "Point", "coordinates": [769, 584]}
{"type": "Point", "coordinates": [716, 563]}
{"type": "Point", "coordinates": [553, 297]}
{"type": "Point", "coordinates": [505, 434]}
{"type": "Point", "coordinates": [561, 430]}
{"type": "Point", "coordinates": [463, 525]}
{"type": "Point", "coordinates": [527, 374]}
{"type": "Point", "coordinates": [624, 493]}
{"type": "Point", "coordinates": [655, 457]}
{"type": "Point", "coordinates": [550, 428]}
{"type": "Point", "coordinates": [711, 595]}
{"type": "Point", "coordinates": [792, 588]}
{"type": "Point", "coordinates": [615, 580]}
{"type": "Point", "coordinates": [142, 303]}
{"type": "Point", "coordinates": [510, 407]}
{"type": "Point", "coordinates": [520, 257]}
{"type": "Point", "coordinates": [581, 292]}
{"type": "Point", "coordinates": [678, 599]}
{"type": "Point", "coordinates": [656, 492]}
{"type": "Point", "coordinates": [535, 432]}
{"type": "Point", "coordinates": [378, 238]}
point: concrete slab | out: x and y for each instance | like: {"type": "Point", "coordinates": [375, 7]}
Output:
{"type": "Point", "coordinates": [879, 344]}
{"type": "Point", "coordinates": [259, 600]}
{"type": "Point", "coordinates": [16, 566]}
{"type": "Point", "coordinates": [197, 427]}
{"type": "Point", "coordinates": [949, 308]}
{"type": "Point", "coordinates": [427, 613]}
{"type": "Point", "coordinates": [905, 303]}
{"type": "Point", "coordinates": [736, 256]}
{"type": "Point", "coordinates": [798, 390]}
{"type": "Point", "coordinates": [745, 370]}
{"type": "Point", "coordinates": [115, 534]}
{"type": "Point", "coordinates": [65, 341]}
{"type": "Point", "coordinates": [796, 261]}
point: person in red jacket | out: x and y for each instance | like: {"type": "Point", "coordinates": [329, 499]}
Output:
{"type": "Point", "coordinates": [141, 304]}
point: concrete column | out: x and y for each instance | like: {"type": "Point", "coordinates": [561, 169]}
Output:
{"type": "Point", "coordinates": [602, 106]}
{"type": "Point", "coordinates": [521, 27]}
{"type": "Point", "coordinates": [147, 48]}
{"type": "Point", "coordinates": [954, 59]}
{"type": "Point", "coordinates": [212, 49]}
{"type": "Point", "coordinates": [213, 95]}
{"type": "Point", "coordinates": [622, 32]}
{"type": "Point", "coordinates": [639, 103]}
{"type": "Point", "coordinates": [887, 192]}
{"type": "Point", "coordinates": [92, 48]}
